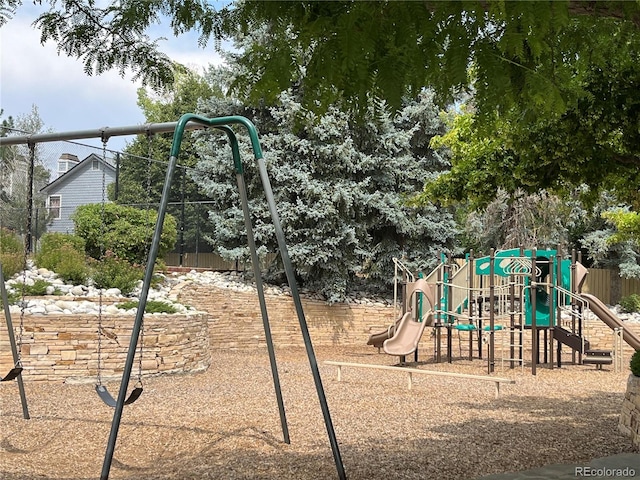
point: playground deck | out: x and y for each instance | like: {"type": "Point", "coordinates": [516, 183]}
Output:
{"type": "Point", "coordinates": [224, 423]}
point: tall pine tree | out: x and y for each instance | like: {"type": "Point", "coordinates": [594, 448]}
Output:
{"type": "Point", "coordinates": [340, 187]}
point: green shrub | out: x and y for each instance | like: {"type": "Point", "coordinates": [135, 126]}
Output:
{"type": "Point", "coordinates": [153, 306]}
{"type": "Point", "coordinates": [635, 363]}
{"type": "Point", "coordinates": [72, 267]}
{"type": "Point", "coordinates": [113, 272]}
{"type": "Point", "coordinates": [38, 289]}
{"type": "Point", "coordinates": [14, 297]}
{"type": "Point", "coordinates": [631, 303]}
{"type": "Point", "coordinates": [63, 254]}
{"type": "Point", "coordinates": [125, 231]}
{"type": "Point", "coordinates": [11, 253]}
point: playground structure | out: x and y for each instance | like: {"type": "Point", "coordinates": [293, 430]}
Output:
{"type": "Point", "coordinates": [190, 122]}
{"type": "Point", "coordinates": [518, 294]}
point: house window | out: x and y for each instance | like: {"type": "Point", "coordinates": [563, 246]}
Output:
{"type": "Point", "coordinates": [62, 166]}
{"type": "Point", "coordinates": [54, 206]}
{"type": "Point", "coordinates": [95, 165]}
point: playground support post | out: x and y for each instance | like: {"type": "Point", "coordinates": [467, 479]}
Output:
{"type": "Point", "coordinates": [558, 311]}
{"type": "Point", "coordinates": [492, 303]}
{"type": "Point", "coordinates": [449, 317]}
{"type": "Point", "coordinates": [580, 324]}
{"type": "Point", "coordinates": [438, 315]}
{"type": "Point", "coordinates": [470, 301]}
{"type": "Point", "coordinates": [290, 274]}
{"type": "Point", "coordinates": [574, 302]}
{"type": "Point", "coordinates": [534, 329]}
{"type": "Point", "coordinates": [242, 189]}
{"type": "Point", "coordinates": [512, 322]}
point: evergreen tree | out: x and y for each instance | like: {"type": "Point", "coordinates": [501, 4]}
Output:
{"type": "Point", "coordinates": [340, 187]}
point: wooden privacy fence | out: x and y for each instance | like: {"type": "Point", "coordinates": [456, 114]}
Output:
{"type": "Point", "coordinates": [210, 261]}
{"type": "Point", "coordinates": [599, 283]}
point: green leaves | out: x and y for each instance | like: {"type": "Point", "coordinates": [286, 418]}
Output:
{"type": "Point", "coordinates": [8, 9]}
{"type": "Point", "coordinates": [590, 136]}
{"type": "Point", "coordinates": [114, 37]}
{"type": "Point", "coordinates": [125, 231]}
{"type": "Point", "coordinates": [627, 225]}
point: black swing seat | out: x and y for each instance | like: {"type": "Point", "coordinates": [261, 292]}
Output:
{"type": "Point", "coordinates": [13, 373]}
{"type": "Point", "coordinates": [108, 399]}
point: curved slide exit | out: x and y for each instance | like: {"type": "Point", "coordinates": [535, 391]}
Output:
{"type": "Point", "coordinates": [377, 339]}
{"type": "Point", "coordinates": [598, 307]}
{"type": "Point", "coordinates": [403, 336]}
{"type": "Point", "coordinates": [407, 336]}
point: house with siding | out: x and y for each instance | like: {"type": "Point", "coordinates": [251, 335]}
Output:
{"type": "Point", "coordinates": [78, 183]}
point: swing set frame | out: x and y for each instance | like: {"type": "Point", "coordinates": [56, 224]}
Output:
{"type": "Point", "coordinates": [187, 122]}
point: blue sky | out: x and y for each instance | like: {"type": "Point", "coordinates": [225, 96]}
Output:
{"type": "Point", "coordinates": [67, 99]}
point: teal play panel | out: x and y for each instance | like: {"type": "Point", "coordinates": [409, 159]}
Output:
{"type": "Point", "coordinates": [515, 262]}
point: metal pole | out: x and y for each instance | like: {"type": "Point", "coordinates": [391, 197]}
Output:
{"type": "Point", "coordinates": [12, 343]}
{"type": "Point", "coordinates": [288, 267]}
{"type": "Point", "coordinates": [492, 300]}
{"type": "Point", "coordinates": [471, 299]}
{"type": "Point", "coordinates": [289, 271]}
{"type": "Point", "coordinates": [534, 328]}
{"type": "Point", "coordinates": [512, 319]}
{"type": "Point", "coordinates": [574, 303]}
{"type": "Point", "coordinates": [242, 188]}
{"type": "Point", "coordinates": [103, 133]}
{"type": "Point", "coordinates": [28, 233]}
{"type": "Point", "coordinates": [131, 352]}
{"type": "Point", "coordinates": [448, 317]}
{"type": "Point", "coordinates": [183, 175]}
{"type": "Point", "coordinates": [116, 188]}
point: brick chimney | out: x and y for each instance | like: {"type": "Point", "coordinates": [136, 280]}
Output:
{"type": "Point", "coordinates": [66, 162]}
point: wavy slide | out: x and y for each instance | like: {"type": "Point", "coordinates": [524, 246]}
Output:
{"type": "Point", "coordinates": [377, 339]}
{"type": "Point", "coordinates": [402, 338]}
{"type": "Point", "coordinates": [407, 336]}
{"type": "Point", "coordinates": [609, 318]}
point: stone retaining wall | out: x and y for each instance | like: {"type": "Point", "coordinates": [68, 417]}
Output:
{"type": "Point", "coordinates": [65, 347]}
{"type": "Point", "coordinates": [236, 323]}
{"type": "Point", "coordinates": [630, 417]}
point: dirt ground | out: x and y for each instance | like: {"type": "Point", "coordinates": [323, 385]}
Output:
{"type": "Point", "coordinates": [224, 423]}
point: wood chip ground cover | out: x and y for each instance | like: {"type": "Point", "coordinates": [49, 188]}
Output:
{"type": "Point", "coordinates": [224, 423]}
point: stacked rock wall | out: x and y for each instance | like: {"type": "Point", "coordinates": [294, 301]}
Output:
{"type": "Point", "coordinates": [65, 347]}
{"type": "Point", "coordinates": [630, 417]}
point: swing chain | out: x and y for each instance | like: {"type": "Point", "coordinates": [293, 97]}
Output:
{"type": "Point", "coordinates": [148, 222]}
{"type": "Point", "coordinates": [25, 265]}
{"type": "Point", "coordinates": [102, 253]}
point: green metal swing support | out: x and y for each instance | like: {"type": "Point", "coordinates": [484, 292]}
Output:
{"type": "Point", "coordinates": [224, 124]}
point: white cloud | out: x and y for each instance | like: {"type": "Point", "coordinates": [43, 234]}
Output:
{"type": "Point", "coordinates": [67, 98]}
